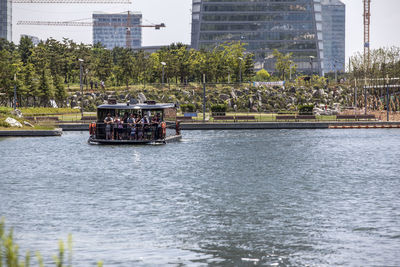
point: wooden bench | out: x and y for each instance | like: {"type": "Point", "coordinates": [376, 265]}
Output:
{"type": "Point", "coordinates": [285, 117]}
{"type": "Point", "coordinates": [346, 117]}
{"type": "Point", "coordinates": [366, 117]}
{"type": "Point", "coordinates": [182, 118]}
{"type": "Point", "coordinates": [306, 117]}
{"type": "Point", "coordinates": [245, 118]}
{"type": "Point", "coordinates": [224, 118]}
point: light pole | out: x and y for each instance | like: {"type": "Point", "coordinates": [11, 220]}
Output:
{"type": "Point", "coordinates": [387, 98]}
{"type": "Point", "coordinates": [290, 71]}
{"type": "Point", "coordinates": [240, 69]}
{"type": "Point", "coordinates": [81, 84]}
{"type": "Point", "coordinates": [204, 98]}
{"type": "Point", "coordinates": [15, 92]}
{"type": "Point", "coordinates": [334, 65]}
{"type": "Point", "coordinates": [312, 65]}
{"type": "Point", "coordinates": [163, 65]}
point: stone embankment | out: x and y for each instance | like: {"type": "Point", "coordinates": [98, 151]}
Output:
{"type": "Point", "coordinates": [251, 98]}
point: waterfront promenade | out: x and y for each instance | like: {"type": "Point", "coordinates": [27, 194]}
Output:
{"type": "Point", "coordinates": [261, 125]}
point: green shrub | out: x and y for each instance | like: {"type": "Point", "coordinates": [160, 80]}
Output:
{"type": "Point", "coordinates": [3, 123]}
{"type": "Point", "coordinates": [5, 110]}
{"type": "Point", "coordinates": [188, 108]}
{"type": "Point", "coordinates": [306, 109]}
{"type": "Point", "coordinates": [262, 76]}
{"type": "Point", "coordinates": [219, 108]}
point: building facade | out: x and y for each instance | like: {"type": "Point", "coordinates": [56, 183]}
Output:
{"type": "Point", "coordinates": [6, 19]}
{"type": "Point", "coordinates": [334, 34]}
{"type": "Point", "coordinates": [293, 26]}
{"type": "Point", "coordinates": [111, 29]}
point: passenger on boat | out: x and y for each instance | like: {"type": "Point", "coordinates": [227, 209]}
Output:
{"type": "Point", "coordinates": [125, 126]}
{"type": "Point", "coordinates": [139, 126]}
{"type": "Point", "coordinates": [132, 126]}
{"type": "Point", "coordinates": [146, 127]}
{"type": "Point", "coordinates": [156, 124]}
{"type": "Point", "coordinates": [108, 121]}
{"type": "Point", "coordinates": [118, 127]}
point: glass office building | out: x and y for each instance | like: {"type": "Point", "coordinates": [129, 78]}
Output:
{"type": "Point", "coordinates": [334, 33]}
{"type": "Point", "coordinates": [110, 29]}
{"type": "Point", "coordinates": [290, 26]}
{"type": "Point", "coordinates": [6, 19]}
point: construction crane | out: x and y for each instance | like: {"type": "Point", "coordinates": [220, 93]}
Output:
{"type": "Point", "coordinates": [367, 24]}
{"type": "Point", "coordinates": [71, 1]}
{"type": "Point", "coordinates": [126, 25]}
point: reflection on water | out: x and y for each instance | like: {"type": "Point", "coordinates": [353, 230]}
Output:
{"type": "Point", "coordinates": [280, 198]}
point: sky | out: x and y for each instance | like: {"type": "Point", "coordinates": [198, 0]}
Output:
{"type": "Point", "coordinates": [176, 14]}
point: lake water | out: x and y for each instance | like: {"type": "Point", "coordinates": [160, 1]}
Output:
{"type": "Point", "coordinates": [231, 198]}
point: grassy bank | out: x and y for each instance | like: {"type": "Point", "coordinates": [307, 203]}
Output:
{"type": "Point", "coordinates": [6, 112]}
{"type": "Point", "coordinates": [31, 111]}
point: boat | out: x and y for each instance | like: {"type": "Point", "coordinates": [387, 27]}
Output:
{"type": "Point", "coordinates": [135, 124]}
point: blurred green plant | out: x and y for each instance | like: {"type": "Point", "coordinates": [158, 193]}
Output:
{"type": "Point", "coordinates": [9, 252]}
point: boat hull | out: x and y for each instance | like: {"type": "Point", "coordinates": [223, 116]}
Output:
{"type": "Point", "coordinates": [168, 139]}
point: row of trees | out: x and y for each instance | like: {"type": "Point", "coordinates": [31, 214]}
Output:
{"type": "Point", "coordinates": [44, 71]}
{"type": "Point", "coordinates": [383, 62]}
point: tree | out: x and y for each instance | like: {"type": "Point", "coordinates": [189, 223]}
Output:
{"type": "Point", "coordinates": [383, 61]}
{"type": "Point", "coordinates": [103, 64]}
{"type": "Point", "coordinates": [60, 94]}
{"type": "Point", "coordinates": [46, 89]}
{"type": "Point", "coordinates": [283, 63]}
{"type": "Point", "coordinates": [248, 67]}
{"type": "Point", "coordinates": [10, 65]}
{"type": "Point", "coordinates": [233, 51]}
{"type": "Point", "coordinates": [6, 45]}
{"type": "Point", "coordinates": [30, 82]}
{"type": "Point", "coordinates": [262, 75]}
{"type": "Point", "coordinates": [125, 66]}
{"type": "Point", "coordinates": [25, 48]}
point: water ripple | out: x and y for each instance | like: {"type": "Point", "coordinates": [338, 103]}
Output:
{"type": "Point", "coordinates": [218, 198]}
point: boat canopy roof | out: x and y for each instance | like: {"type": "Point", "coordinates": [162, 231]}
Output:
{"type": "Point", "coordinates": [137, 106]}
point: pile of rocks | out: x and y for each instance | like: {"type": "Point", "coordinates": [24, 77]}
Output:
{"type": "Point", "coordinates": [256, 99]}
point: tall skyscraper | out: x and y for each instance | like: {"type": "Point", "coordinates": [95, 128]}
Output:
{"type": "Point", "coordinates": [334, 34]}
{"type": "Point", "coordinates": [293, 26]}
{"type": "Point", "coordinates": [111, 29]}
{"type": "Point", "coordinates": [6, 19]}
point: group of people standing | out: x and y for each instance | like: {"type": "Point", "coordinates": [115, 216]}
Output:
{"type": "Point", "coordinates": [133, 127]}
{"type": "Point", "coordinates": [96, 85]}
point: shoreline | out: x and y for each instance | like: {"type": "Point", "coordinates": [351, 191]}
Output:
{"type": "Point", "coordinates": [263, 125]}
{"type": "Point", "coordinates": [288, 125]}
{"type": "Point", "coordinates": [31, 133]}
